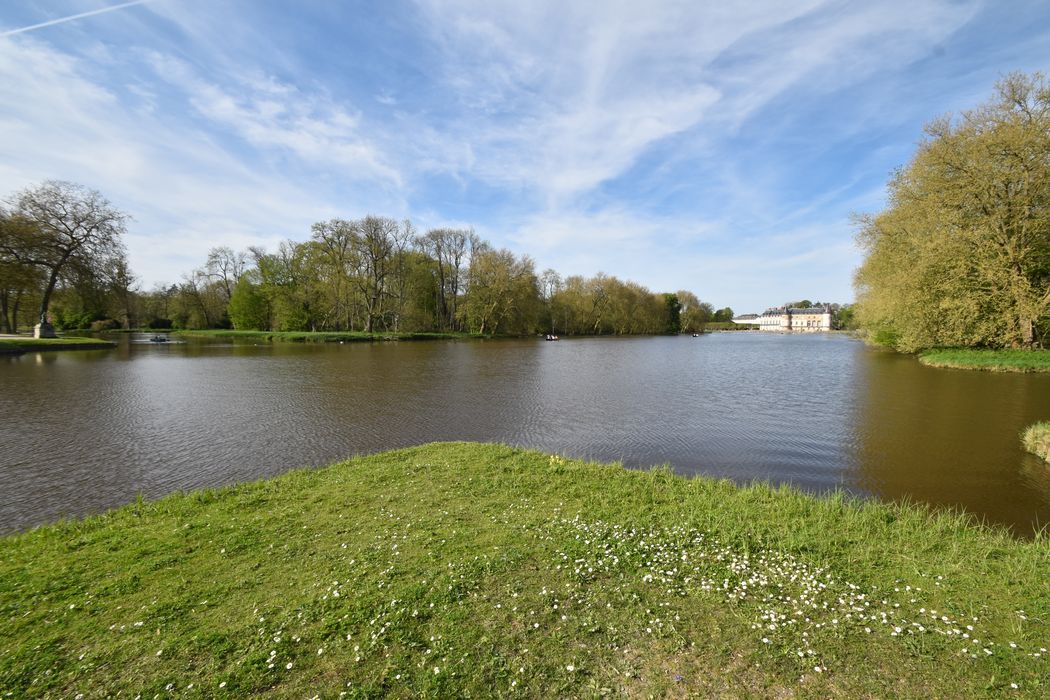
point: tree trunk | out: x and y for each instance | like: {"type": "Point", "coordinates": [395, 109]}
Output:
{"type": "Point", "coordinates": [1028, 332]}
{"type": "Point", "coordinates": [5, 323]}
{"type": "Point", "coordinates": [45, 301]}
{"type": "Point", "coordinates": [14, 312]}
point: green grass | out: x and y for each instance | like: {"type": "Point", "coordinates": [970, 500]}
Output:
{"type": "Point", "coordinates": [990, 360]}
{"type": "Point", "coordinates": [1036, 439]}
{"type": "Point", "coordinates": [317, 337]}
{"type": "Point", "coordinates": [29, 344]}
{"type": "Point", "coordinates": [466, 570]}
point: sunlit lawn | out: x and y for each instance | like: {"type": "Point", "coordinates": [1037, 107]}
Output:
{"type": "Point", "coordinates": [992, 360]}
{"type": "Point", "coordinates": [28, 342]}
{"type": "Point", "coordinates": [458, 570]}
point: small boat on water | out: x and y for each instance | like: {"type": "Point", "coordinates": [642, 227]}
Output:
{"type": "Point", "coordinates": [159, 339]}
{"type": "Point", "coordinates": [551, 337]}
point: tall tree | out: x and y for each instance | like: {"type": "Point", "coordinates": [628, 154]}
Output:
{"type": "Point", "coordinates": [18, 280]}
{"type": "Point", "coordinates": [337, 243]}
{"type": "Point", "coordinates": [695, 314]}
{"type": "Point", "coordinates": [502, 292]}
{"type": "Point", "coordinates": [122, 284]}
{"type": "Point", "coordinates": [226, 266]}
{"type": "Point", "coordinates": [674, 314]}
{"type": "Point", "coordinates": [449, 248]}
{"type": "Point", "coordinates": [962, 254]}
{"type": "Point", "coordinates": [63, 223]}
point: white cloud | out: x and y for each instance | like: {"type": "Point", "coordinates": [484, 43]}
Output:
{"type": "Point", "coordinates": [185, 191]}
{"type": "Point", "coordinates": [560, 98]}
{"type": "Point", "coordinates": [590, 86]}
{"type": "Point", "coordinates": [269, 114]}
{"type": "Point", "coordinates": [643, 139]}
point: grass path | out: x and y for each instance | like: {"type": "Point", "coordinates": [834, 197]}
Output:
{"type": "Point", "coordinates": [466, 570]}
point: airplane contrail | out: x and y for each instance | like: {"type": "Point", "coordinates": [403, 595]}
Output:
{"type": "Point", "coordinates": [70, 18]}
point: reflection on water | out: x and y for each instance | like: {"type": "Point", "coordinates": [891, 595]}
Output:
{"type": "Point", "coordinates": [952, 437]}
{"type": "Point", "coordinates": [84, 431]}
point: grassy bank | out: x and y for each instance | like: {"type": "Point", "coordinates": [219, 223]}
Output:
{"type": "Point", "coordinates": [989, 360]}
{"type": "Point", "coordinates": [1036, 440]}
{"type": "Point", "coordinates": [317, 337]}
{"type": "Point", "coordinates": [729, 326]}
{"type": "Point", "coordinates": [10, 345]}
{"type": "Point", "coordinates": [458, 570]}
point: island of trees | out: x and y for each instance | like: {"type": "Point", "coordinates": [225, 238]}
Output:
{"type": "Point", "coordinates": [961, 256]}
{"type": "Point", "coordinates": [62, 260]}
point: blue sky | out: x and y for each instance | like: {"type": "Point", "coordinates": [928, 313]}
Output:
{"type": "Point", "coordinates": [715, 147]}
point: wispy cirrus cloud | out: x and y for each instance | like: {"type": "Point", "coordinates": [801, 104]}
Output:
{"type": "Point", "coordinates": [270, 114]}
{"type": "Point", "coordinates": [184, 189]}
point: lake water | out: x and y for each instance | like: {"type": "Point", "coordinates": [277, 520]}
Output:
{"type": "Point", "coordinates": [81, 432]}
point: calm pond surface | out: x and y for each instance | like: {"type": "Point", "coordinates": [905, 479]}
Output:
{"type": "Point", "coordinates": [81, 432]}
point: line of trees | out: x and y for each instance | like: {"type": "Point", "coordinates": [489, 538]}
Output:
{"type": "Point", "coordinates": [377, 274]}
{"type": "Point", "coordinates": [961, 256]}
{"type": "Point", "coordinates": [62, 260]}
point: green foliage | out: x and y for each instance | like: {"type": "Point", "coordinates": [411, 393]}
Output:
{"type": "Point", "coordinates": [248, 308]}
{"type": "Point", "coordinates": [961, 257]}
{"type": "Point", "coordinates": [105, 324]}
{"type": "Point", "coordinates": [725, 314]}
{"type": "Point", "coordinates": [66, 318]}
{"type": "Point", "coordinates": [987, 359]}
{"type": "Point", "coordinates": [460, 570]}
{"type": "Point", "coordinates": [372, 274]}
{"type": "Point", "coordinates": [844, 318]}
{"type": "Point", "coordinates": [70, 235]}
{"type": "Point", "coordinates": [502, 294]}
{"type": "Point", "coordinates": [159, 324]}
{"type": "Point", "coordinates": [674, 314]}
{"type": "Point", "coordinates": [695, 314]}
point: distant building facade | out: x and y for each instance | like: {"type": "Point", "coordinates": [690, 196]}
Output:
{"type": "Point", "coordinates": [782, 319]}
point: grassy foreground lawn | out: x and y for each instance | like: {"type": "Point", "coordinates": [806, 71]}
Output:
{"type": "Point", "coordinates": [1036, 440]}
{"type": "Point", "coordinates": [28, 344]}
{"type": "Point", "coordinates": [466, 570]}
{"type": "Point", "coordinates": [316, 337]}
{"type": "Point", "coordinates": [991, 360]}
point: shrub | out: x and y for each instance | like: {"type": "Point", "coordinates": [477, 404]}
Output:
{"type": "Point", "coordinates": [105, 324]}
{"type": "Point", "coordinates": [1037, 440]}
